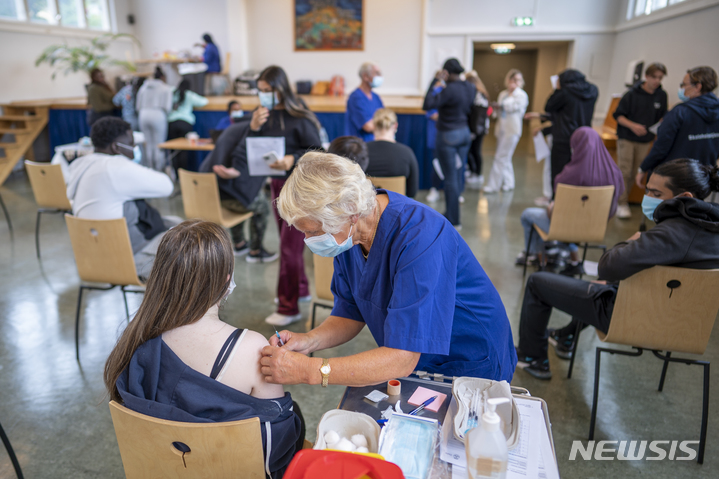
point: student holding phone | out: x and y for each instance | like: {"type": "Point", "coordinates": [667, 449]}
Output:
{"type": "Point", "coordinates": [282, 114]}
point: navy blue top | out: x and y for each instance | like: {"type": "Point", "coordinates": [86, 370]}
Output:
{"type": "Point", "coordinates": [360, 110]}
{"type": "Point", "coordinates": [224, 123]}
{"type": "Point", "coordinates": [212, 58]}
{"type": "Point", "coordinates": [421, 289]}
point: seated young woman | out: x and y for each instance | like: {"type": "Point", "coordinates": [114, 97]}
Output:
{"type": "Point", "coordinates": [177, 360]}
{"type": "Point", "coordinates": [686, 235]}
{"type": "Point", "coordinates": [591, 165]}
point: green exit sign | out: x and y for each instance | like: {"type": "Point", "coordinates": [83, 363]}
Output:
{"type": "Point", "coordinates": [523, 21]}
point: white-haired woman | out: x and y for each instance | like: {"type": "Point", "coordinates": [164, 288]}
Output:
{"type": "Point", "coordinates": [511, 105]}
{"type": "Point", "coordinates": [401, 269]}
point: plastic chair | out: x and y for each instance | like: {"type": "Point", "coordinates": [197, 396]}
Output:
{"type": "Point", "coordinates": [103, 254]}
{"type": "Point", "coordinates": [201, 199]}
{"type": "Point", "coordinates": [580, 215]}
{"type": "Point", "coordinates": [11, 453]}
{"type": "Point", "coordinates": [152, 447]}
{"type": "Point", "coordinates": [663, 309]}
{"type": "Point", "coordinates": [397, 184]}
{"type": "Point", "coordinates": [48, 187]}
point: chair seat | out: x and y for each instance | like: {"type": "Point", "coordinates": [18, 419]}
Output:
{"type": "Point", "coordinates": [542, 234]}
{"type": "Point", "coordinates": [230, 218]}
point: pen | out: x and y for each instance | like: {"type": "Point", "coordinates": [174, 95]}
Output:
{"type": "Point", "coordinates": [278, 336]}
{"type": "Point", "coordinates": [423, 405]}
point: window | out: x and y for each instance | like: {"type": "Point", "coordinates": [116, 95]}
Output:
{"type": "Point", "coordinates": [89, 14]}
{"type": "Point", "coordinates": [638, 8]}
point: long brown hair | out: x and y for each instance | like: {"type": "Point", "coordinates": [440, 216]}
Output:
{"type": "Point", "coordinates": [277, 79]}
{"type": "Point", "coordinates": [189, 276]}
{"type": "Point", "coordinates": [473, 78]}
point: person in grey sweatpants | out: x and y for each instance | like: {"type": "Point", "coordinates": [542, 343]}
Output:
{"type": "Point", "coordinates": [154, 102]}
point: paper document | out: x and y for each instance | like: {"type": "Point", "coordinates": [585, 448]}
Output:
{"type": "Point", "coordinates": [655, 127]}
{"type": "Point", "coordinates": [591, 268]}
{"type": "Point", "coordinates": [257, 148]}
{"type": "Point", "coordinates": [541, 149]}
{"type": "Point", "coordinates": [554, 80]}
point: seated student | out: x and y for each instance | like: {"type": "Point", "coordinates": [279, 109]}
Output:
{"type": "Point", "coordinates": [352, 148]}
{"type": "Point", "coordinates": [686, 235]}
{"type": "Point", "coordinates": [234, 115]}
{"type": "Point", "coordinates": [241, 192]}
{"type": "Point", "coordinates": [177, 360]}
{"type": "Point", "coordinates": [389, 158]}
{"type": "Point", "coordinates": [107, 185]}
{"type": "Point", "coordinates": [591, 165]}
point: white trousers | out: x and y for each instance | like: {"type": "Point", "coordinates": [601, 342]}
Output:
{"type": "Point", "coordinates": [502, 174]}
{"type": "Point", "coordinates": [153, 124]}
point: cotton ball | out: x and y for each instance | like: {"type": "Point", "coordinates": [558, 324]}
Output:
{"type": "Point", "coordinates": [359, 440]}
{"type": "Point", "coordinates": [331, 438]}
{"type": "Point", "coordinates": [344, 444]}
{"type": "Point", "coordinates": [362, 449]}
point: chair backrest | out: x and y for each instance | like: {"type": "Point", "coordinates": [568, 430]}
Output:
{"type": "Point", "coordinates": [220, 449]}
{"type": "Point", "coordinates": [580, 213]}
{"type": "Point", "coordinates": [48, 185]}
{"type": "Point", "coordinates": [324, 270]}
{"type": "Point", "coordinates": [200, 196]}
{"type": "Point", "coordinates": [226, 65]}
{"type": "Point", "coordinates": [103, 252]}
{"type": "Point", "coordinates": [397, 184]}
{"type": "Point", "coordinates": [666, 308]}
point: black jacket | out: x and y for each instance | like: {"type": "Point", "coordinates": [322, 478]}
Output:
{"type": "Point", "coordinates": [686, 235]}
{"type": "Point", "coordinates": [393, 159]}
{"type": "Point", "coordinates": [453, 103]}
{"type": "Point", "coordinates": [689, 130]}
{"type": "Point", "coordinates": [571, 106]}
{"type": "Point", "coordinates": [641, 107]}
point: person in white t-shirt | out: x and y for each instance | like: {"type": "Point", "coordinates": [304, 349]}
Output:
{"type": "Point", "coordinates": [108, 185]}
{"type": "Point", "coordinates": [511, 105]}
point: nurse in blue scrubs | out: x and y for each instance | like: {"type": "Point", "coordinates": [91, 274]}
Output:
{"type": "Point", "coordinates": [400, 269]}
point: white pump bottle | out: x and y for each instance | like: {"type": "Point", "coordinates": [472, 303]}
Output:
{"type": "Point", "coordinates": [486, 445]}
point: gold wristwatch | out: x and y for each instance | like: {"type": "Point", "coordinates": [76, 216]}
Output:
{"type": "Point", "coordinates": [325, 371]}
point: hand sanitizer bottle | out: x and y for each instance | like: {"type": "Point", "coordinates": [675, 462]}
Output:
{"type": "Point", "coordinates": [486, 445]}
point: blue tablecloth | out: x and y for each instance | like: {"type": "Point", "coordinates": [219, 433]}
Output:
{"type": "Point", "coordinates": [67, 126]}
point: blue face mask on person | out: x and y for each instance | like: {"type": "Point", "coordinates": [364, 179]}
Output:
{"type": "Point", "coordinates": [682, 96]}
{"type": "Point", "coordinates": [377, 81]}
{"type": "Point", "coordinates": [136, 150]}
{"type": "Point", "coordinates": [326, 245]}
{"type": "Point", "coordinates": [237, 114]}
{"type": "Point", "coordinates": [268, 99]}
{"type": "Point", "coordinates": [649, 204]}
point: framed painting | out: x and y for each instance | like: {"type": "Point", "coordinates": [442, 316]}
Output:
{"type": "Point", "coordinates": [322, 25]}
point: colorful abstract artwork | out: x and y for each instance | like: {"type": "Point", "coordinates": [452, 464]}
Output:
{"type": "Point", "coordinates": [328, 25]}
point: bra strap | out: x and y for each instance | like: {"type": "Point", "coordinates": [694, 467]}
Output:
{"type": "Point", "coordinates": [225, 353]}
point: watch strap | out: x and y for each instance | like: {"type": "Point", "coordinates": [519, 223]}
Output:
{"type": "Point", "coordinates": [325, 377]}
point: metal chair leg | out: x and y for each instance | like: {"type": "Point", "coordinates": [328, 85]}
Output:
{"type": "Point", "coordinates": [7, 217]}
{"type": "Point", "coordinates": [526, 252]}
{"type": "Point", "coordinates": [312, 323]}
{"type": "Point", "coordinates": [11, 453]}
{"type": "Point", "coordinates": [77, 324]}
{"type": "Point", "coordinates": [593, 420]}
{"type": "Point", "coordinates": [127, 309]}
{"type": "Point", "coordinates": [37, 233]}
{"type": "Point", "coordinates": [574, 351]}
{"type": "Point", "coordinates": [664, 371]}
{"type": "Point", "coordinates": [705, 415]}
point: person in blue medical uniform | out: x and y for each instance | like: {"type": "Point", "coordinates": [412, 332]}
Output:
{"type": "Point", "coordinates": [363, 102]}
{"type": "Point", "coordinates": [400, 269]}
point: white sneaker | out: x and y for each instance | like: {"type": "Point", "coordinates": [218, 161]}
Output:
{"type": "Point", "coordinates": [433, 195]}
{"type": "Point", "coordinates": [461, 199]}
{"type": "Point", "coordinates": [507, 188]}
{"type": "Point", "coordinates": [623, 212]}
{"type": "Point", "coordinates": [277, 319]}
{"type": "Point", "coordinates": [303, 299]}
{"type": "Point", "coordinates": [488, 191]}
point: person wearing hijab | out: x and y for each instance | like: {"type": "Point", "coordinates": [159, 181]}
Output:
{"type": "Point", "coordinates": [591, 165]}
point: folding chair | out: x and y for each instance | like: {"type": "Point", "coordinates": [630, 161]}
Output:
{"type": "Point", "coordinates": [48, 187]}
{"type": "Point", "coordinates": [397, 184]}
{"type": "Point", "coordinates": [11, 453]}
{"type": "Point", "coordinates": [201, 199]}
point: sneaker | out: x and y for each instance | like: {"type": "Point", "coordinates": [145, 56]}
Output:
{"type": "Point", "coordinates": [458, 227]}
{"type": "Point", "coordinates": [433, 195]}
{"type": "Point", "coordinates": [539, 368]}
{"type": "Point", "coordinates": [303, 299]}
{"type": "Point", "coordinates": [488, 191]}
{"type": "Point", "coordinates": [542, 201]}
{"type": "Point", "coordinates": [563, 345]}
{"type": "Point", "coordinates": [277, 319]}
{"type": "Point", "coordinates": [623, 212]}
{"type": "Point", "coordinates": [242, 250]}
{"type": "Point", "coordinates": [519, 260]}
{"type": "Point", "coordinates": [262, 257]}
{"type": "Point", "coordinates": [507, 188]}
{"type": "Point", "coordinates": [573, 269]}
{"type": "Point", "coordinates": [461, 199]}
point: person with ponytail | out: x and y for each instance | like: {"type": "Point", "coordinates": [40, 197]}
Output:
{"type": "Point", "coordinates": [182, 120]}
{"type": "Point", "coordinates": [686, 235]}
{"type": "Point", "coordinates": [282, 114]}
{"type": "Point", "coordinates": [153, 103]}
{"type": "Point", "coordinates": [162, 365]}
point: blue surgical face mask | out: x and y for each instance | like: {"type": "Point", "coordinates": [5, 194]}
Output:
{"type": "Point", "coordinates": [326, 245]}
{"type": "Point", "coordinates": [237, 114]}
{"type": "Point", "coordinates": [649, 204]}
{"type": "Point", "coordinates": [268, 99]}
{"type": "Point", "coordinates": [682, 96]}
{"type": "Point", "coordinates": [377, 81]}
{"type": "Point", "coordinates": [136, 150]}
{"type": "Point", "coordinates": [232, 286]}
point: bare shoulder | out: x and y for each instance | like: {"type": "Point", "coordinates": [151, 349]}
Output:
{"type": "Point", "coordinates": [254, 341]}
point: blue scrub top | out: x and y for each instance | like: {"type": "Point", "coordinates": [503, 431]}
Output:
{"type": "Point", "coordinates": [421, 289]}
{"type": "Point", "coordinates": [212, 58]}
{"type": "Point", "coordinates": [360, 110]}
{"type": "Point", "coordinates": [224, 123]}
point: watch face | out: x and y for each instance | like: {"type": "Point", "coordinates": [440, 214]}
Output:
{"type": "Point", "coordinates": [325, 369]}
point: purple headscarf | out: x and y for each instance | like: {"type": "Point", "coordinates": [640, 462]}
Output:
{"type": "Point", "coordinates": [591, 165]}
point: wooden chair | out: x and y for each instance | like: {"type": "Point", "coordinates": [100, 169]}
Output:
{"type": "Point", "coordinates": [103, 254]}
{"type": "Point", "coordinates": [397, 184]}
{"type": "Point", "coordinates": [663, 309]}
{"type": "Point", "coordinates": [48, 186]}
{"type": "Point", "coordinates": [324, 270]}
{"type": "Point", "coordinates": [7, 217]}
{"type": "Point", "coordinates": [11, 453]}
{"type": "Point", "coordinates": [580, 215]}
{"type": "Point", "coordinates": [201, 199]}
{"type": "Point", "coordinates": [152, 447]}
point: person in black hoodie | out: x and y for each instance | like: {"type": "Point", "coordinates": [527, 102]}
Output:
{"type": "Point", "coordinates": [686, 235]}
{"type": "Point", "coordinates": [569, 107]}
{"type": "Point", "coordinates": [166, 363]}
{"type": "Point", "coordinates": [691, 128]}
{"type": "Point", "coordinates": [640, 108]}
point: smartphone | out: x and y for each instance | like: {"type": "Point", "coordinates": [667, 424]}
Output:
{"type": "Point", "coordinates": [270, 157]}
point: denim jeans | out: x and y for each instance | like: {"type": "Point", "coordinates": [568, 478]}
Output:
{"type": "Point", "coordinates": [450, 144]}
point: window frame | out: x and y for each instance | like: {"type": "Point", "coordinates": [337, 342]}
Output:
{"type": "Point", "coordinates": [649, 7]}
{"type": "Point", "coordinates": [23, 22]}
